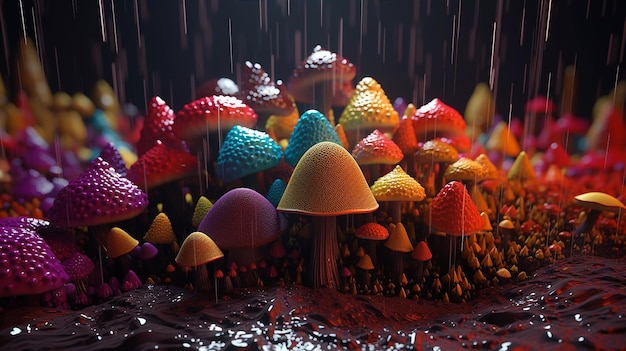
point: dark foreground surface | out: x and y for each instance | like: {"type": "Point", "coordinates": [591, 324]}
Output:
{"type": "Point", "coordinates": [577, 303]}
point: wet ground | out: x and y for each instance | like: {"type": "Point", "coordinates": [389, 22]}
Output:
{"type": "Point", "coordinates": [576, 303]}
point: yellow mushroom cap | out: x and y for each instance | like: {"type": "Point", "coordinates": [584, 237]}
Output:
{"type": "Point", "coordinates": [506, 224]}
{"type": "Point", "coordinates": [436, 151]}
{"type": "Point", "coordinates": [599, 201]}
{"type": "Point", "coordinates": [464, 169]}
{"type": "Point", "coordinates": [521, 169]}
{"type": "Point", "coordinates": [160, 231]}
{"type": "Point", "coordinates": [203, 206]}
{"type": "Point", "coordinates": [336, 188]}
{"type": "Point", "coordinates": [399, 239]}
{"type": "Point", "coordinates": [397, 185]}
{"type": "Point", "coordinates": [118, 242]}
{"type": "Point", "coordinates": [502, 140]}
{"type": "Point", "coordinates": [490, 171]}
{"type": "Point", "coordinates": [365, 263]}
{"type": "Point", "coordinates": [369, 108]}
{"type": "Point", "coordinates": [198, 249]}
{"type": "Point", "coordinates": [487, 227]}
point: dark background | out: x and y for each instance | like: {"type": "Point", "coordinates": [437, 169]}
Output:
{"type": "Point", "coordinates": [148, 50]}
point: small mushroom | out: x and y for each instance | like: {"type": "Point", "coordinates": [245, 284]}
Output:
{"type": "Point", "coordinates": [397, 187]}
{"type": "Point", "coordinates": [370, 234]}
{"type": "Point", "coordinates": [196, 251]}
{"type": "Point", "coordinates": [375, 150]}
{"type": "Point", "coordinates": [596, 203]}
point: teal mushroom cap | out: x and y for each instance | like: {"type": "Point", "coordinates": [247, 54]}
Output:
{"type": "Point", "coordinates": [312, 128]}
{"type": "Point", "coordinates": [246, 151]}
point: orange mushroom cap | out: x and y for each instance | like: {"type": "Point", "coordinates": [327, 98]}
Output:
{"type": "Point", "coordinates": [365, 263]}
{"type": "Point", "coordinates": [376, 148]}
{"type": "Point", "coordinates": [372, 231]}
{"type": "Point", "coordinates": [337, 188]}
{"type": "Point", "coordinates": [397, 185]}
{"type": "Point", "coordinates": [490, 171]}
{"type": "Point", "coordinates": [399, 239]}
{"type": "Point", "coordinates": [464, 169]}
{"type": "Point", "coordinates": [502, 140]}
{"type": "Point", "coordinates": [198, 249]}
{"type": "Point", "coordinates": [160, 231]}
{"type": "Point", "coordinates": [421, 252]}
{"type": "Point", "coordinates": [405, 138]}
{"type": "Point", "coordinates": [453, 211]}
{"type": "Point", "coordinates": [521, 169]}
{"type": "Point", "coordinates": [118, 242]}
{"type": "Point", "coordinates": [369, 108]}
{"type": "Point", "coordinates": [437, 119]}
{"type": "Point", "coordinates": [436, 151]}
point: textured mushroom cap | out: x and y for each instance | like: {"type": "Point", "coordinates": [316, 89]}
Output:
{"type": "Point", "coordinates": [282, 126]}
{"type": "Point", "coordinates": [369, 108]}
{"type": "Point", "coordinates": [261, 93]}
{"type": "Point", "coordinates": [464, 169]}
{"type": "Point", "coordinates": [312, 128]}
{"type": "Point", "coordinates": [321, 66]}
{"type": "Point", "coordinates": [242, 218]}
{"type": "Point", "coordinates": [217, 86]}
{"type": "Point", "coordinates": [118, 242]}
{"type": "Point", "coordinates": [490, 171]}
{"type": "Point", "coordinates": [376, 148]}
{"type": "Point", "coordinates": [521, 169]}
{"type": "Point", "coordinates": [158, 125]}
{"type": "Point", "coordinates": [436, 119]}
{"type": "Point", "coordinates": [405, 138]}
{"type": "Point", "coordinates": [197, 249]}
{"type": "Point", "coordinates": [246, 151]}
{"type": "Point", "coordinates": [502, 140]}
{"type": "Point", "coordinates": [203, 206]}
{"type": "Point", "coordinates": [98, 196]}
{"type": "Point", "coordinates": [276, 191]}
{"type": "Point", "coordinates": [398, 240]}
{"type": "Point", "coordinates": [365, 263]}
{"type": "Point", "coordinates": [436, 151]}
{"type": "Point", "coordinates": [421, 252]}
{"type": "Point", "coordinates": [372, 231]}
{"type": "Point", "coordinates": [599, 201]}
{"type": "Point", "coordinates": [160, 165]}
{"type": "Point", "coordinates": [335, 189]}
{"type": "Point", "coordinates": [110, 154]}
{"type": "Point", "coordinates": [453, 211]}
{"type": "Point", "coordinates": [160, 231]}
{"type": "Point", "coordinates": [397, 185]}
{"type": "Point", "coordinates": [27, 265]}
{"type": "Point", "coordinates": [78, 266]}
{"type": "Point", "coordinates": [212, 113]}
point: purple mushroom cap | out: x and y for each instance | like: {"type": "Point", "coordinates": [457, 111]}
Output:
{"type": "Point", "coordinates": [27, 265]}
{"type": "Point", "coordinates": [29, 184]}
{"type": "Point", "coordinates": [242, 218]}
{"type": "Point", "coordinates": [79, 266]}
{"type": "Point", "coordinates": [110, 154]}
{"type": "Point", "coordinates": [98, 196]}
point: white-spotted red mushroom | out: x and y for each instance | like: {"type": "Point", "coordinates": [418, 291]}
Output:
{"type": "Point", "coordinates": [319, 192]}
{"type": "Point", "coordinates": [370, 234]}
{"type": "Point", "coordinates": [374, 151]}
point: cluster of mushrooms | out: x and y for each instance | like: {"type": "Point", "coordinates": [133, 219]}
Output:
{"type": "Point", "coordinates": [238, 189]}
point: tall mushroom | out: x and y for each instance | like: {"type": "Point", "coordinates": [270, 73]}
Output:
{"type": "Point", "coordinates": [338, 188]}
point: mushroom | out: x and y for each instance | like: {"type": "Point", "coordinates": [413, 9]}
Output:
{"type": "Point", "coordinates": [338, 188]}
{"type": "Point", "coordinates": [538, 113]}
{"type": "Point", "coordinates": [435, 152]}
{"type": "Point", "coordinates": [161, 232]}
{"type": "Point", "coordinates": [312, 128]}
{"type": "Point", "coordinates": [158, 125]}
{"type": "Point", "coordinates": [369, 234]}
{"type": "Point", "coordinates": [596, 202]}
{"type": "Point", "coordinates": [275, 191]}
{"type": "Point", "coordinates": [398, 244]}
{"type": "Point", "coordinates": [502, 143]}
{"type": "Point", "coordinates": [436, 119]}
{"type": "Point", "coordinates": [479, 111]}
{"type": "Point", "coordinates": [27, 263]}
{"type": "Point", "coordinates": [364, 265]}
{"type": "Point", "coordinates": [421, 253]}
{"type": "Point", "coordinates": [521, 173]}
{"type": "Point", "coordinates": [405, 138]}
{"type": "Point", "coordinates": [110, 154]}
{"type": "Point", "coordinates": [262, 94]}
{"type": "Point", "coordinates": [368, 109]}
{"type": "Point", "coordinates": [196, 251]}
{"type": "Point", "coordinates": [397, 187]}
{"type": "Point", "coordinates": [281, 127]}
{"type": "Point", "coordinates": [245, 153]}
{"type": "Point", "coordinates": [375, 150]}
{"type": "Point", "coordinates": [241, 222]}
{"type": "Point", "coordinates": [217, 86]}
{"type": "Point", "coordinates": [118, 242]}
{"type": "Point", "coordinates": [203, 206]}
{"type": "Point", "coordinates": [313, 81]}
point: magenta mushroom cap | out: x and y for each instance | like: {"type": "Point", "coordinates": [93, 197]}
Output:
{"type": "Point", "coordinates": [27, 265]}
{"type": "Point", "coordinates": [79, 266]}
{"type": "Point", "coordinates": [98, 196]}
{"type": "Point", "coordinates": [242, 218]}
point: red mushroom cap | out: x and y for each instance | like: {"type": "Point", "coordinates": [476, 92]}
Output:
{"type": "Point", "coordinates": [453, 211]}
{"type": "Point", "coordinates": [372, 231]}
{"type": "Point", "coordinates": [218, 86]}
{"type": "Point", "coordinates": [436, 119]}
{"type": "Point", "coordinates": [421, 252]}
{"type": "Point", "coordinates": [376, 148]}
{"type": "Point", "coordinates": [262, 94]}
{"type": "Point", "coordinates": [160, 165]}
{"type": "Point", "coordinates": [158, 125]}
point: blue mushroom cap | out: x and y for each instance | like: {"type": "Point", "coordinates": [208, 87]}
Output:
{"type": "Point", "coordinates": [312, 128]}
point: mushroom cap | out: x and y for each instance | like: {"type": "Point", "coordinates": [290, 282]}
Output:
{"type": "Point", "coordinates": [246, 151]}
{"type": "Point", "coordinates": [203, 206]}
{"type": "Point", "coordinates": [371, 231]}
{"type": "Point", "coordinates": [119, 242]}
{"type": "Point", "coordinates": [217, 86]}
{"type": "Point", "coordinates": [521, 169]}
{"type": "Point", "coordinates": [212, 113]}
{"type": "Point", "coordinates": [242, 218]}
{"type": "Point", "coordinates": [376, 148]}
{"type": "Point", "coordinates": [275, 191]}
{"type": "Point", "coordinates": [599, 201]}
{"type": "Point", "coordinates": [160, 231]}
{"type": "Point", "coordinates": [369, 108]}
{"type": "Point", "coordinates": [490, 171]}
{"type": "Point", "coordinates": [365, 263]}
{"type": "Point", "coordinates": [321, 66]}
{"type": "Point", "coordinates": [398, 240]}
{"type": "Point", "coordinates": [98, 196]}
{"type": "Point", "coordinates": [421, 252]}
{"type": "Point", "coordinates": [405, 138]}
{"type": "Point", "coordinates": [282, 126]}
{"type": "Point", "coordinates": [502, 140]}
{"type": "Point", "coordinates": [158, 125]}
{"type": "Point", "coordinates": [397, 185]}
{"type": "Point", "coordinates": [436, 119]}
{"type": "Point", "coordinates": [453, 211]}
{"type": "Point", "coordinates": [312, 127]}
{"type": "Point", "coordinates": [110, 154]}
{"type": "Point", "coordinates": [78, 266]}
{"type": "Point", "coordinates": [337, 188]}
{"type": "Point", "coordinates": [27, 264]}
{"type": "Point", "coordinates": [261, 93]}
{"type": "Point", "coordinates": [506, 224]}
{"type": "Point", "coordinates": [160, 165]}
{"type": "Point", "coordinates": [197, 249]}
{"type": "Point", "coordinates": [464, 169]}
{"type": "Point", "coordinates": [436, 151]}
{"type": "Point", "coordinates": [556, 154]}
{"type": "Point", "coordinates": [488, 227]}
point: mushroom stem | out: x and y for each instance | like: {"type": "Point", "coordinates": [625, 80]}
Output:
{"type": "Point", "coordinates": [397, 266]}
{"type": "Point", "coordinates": [439, 179]}
{"type": "Point", "coordinates": [325, 252]}
{"type": "Point", "coordinates": [396, 211]}
{"type": "Point", "coordinates": [587, 223]}
{"type": "Point", "coordinates": [202, 278]}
